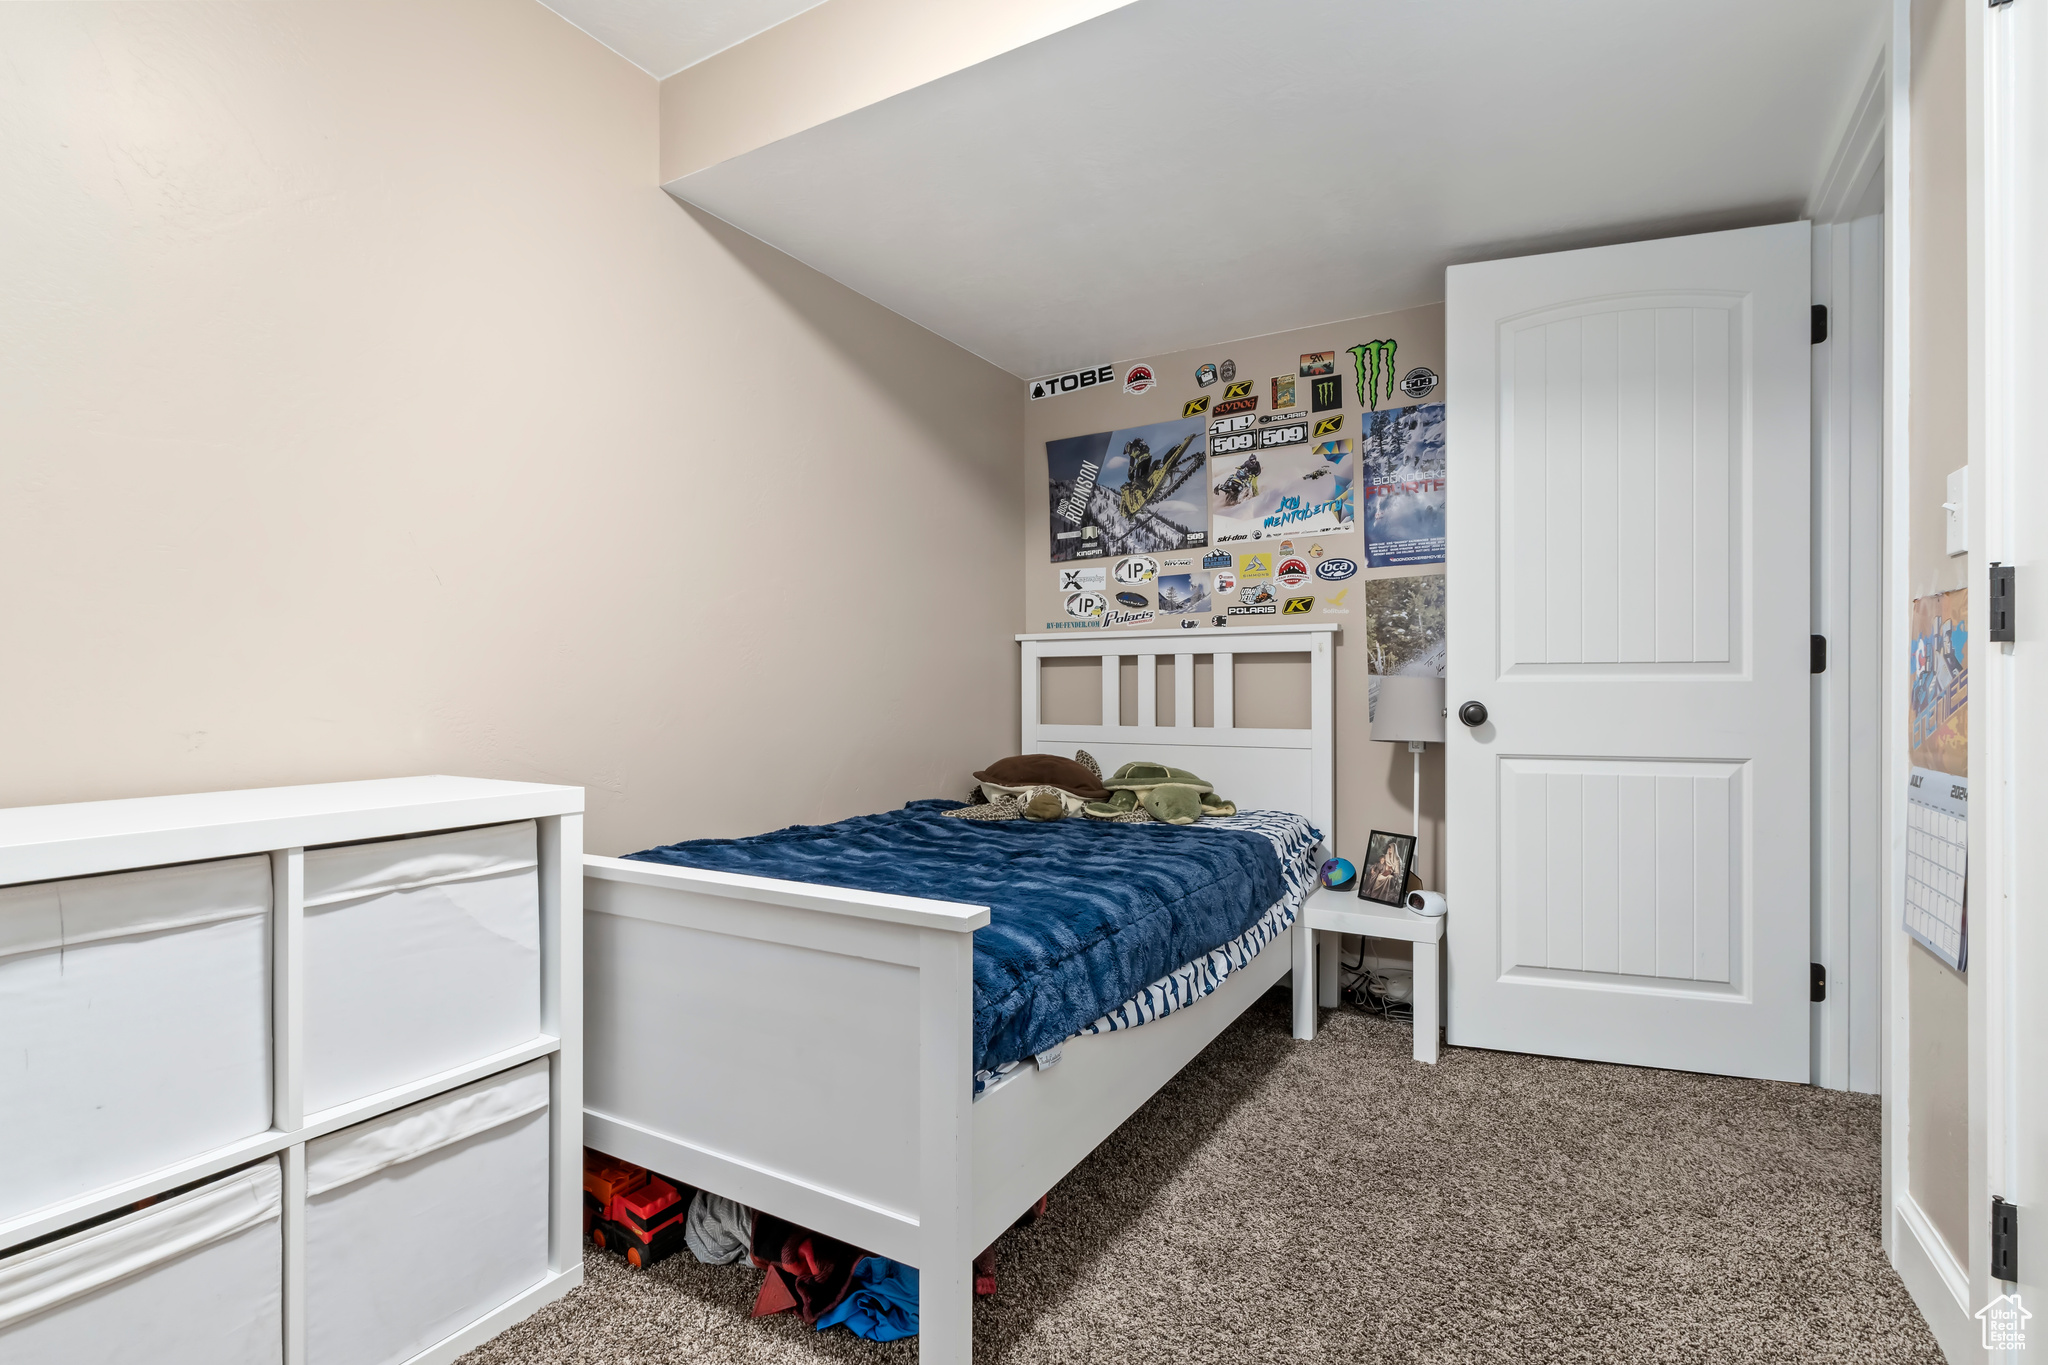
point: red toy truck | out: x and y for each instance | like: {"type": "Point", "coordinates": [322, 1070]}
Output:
{"type": "Point", "coordinates": [629, 1209]}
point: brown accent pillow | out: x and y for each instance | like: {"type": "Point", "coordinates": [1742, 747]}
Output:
{"type": "Point", "coordinates": [1045, 770]}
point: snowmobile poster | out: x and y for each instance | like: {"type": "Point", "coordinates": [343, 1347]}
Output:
{"type": "Point", "coordinates": [1133, 491]}
{"type": "Point", "coordinates": [1401, 452]}
{"type": "Point", "coordinates": [1294, 490]}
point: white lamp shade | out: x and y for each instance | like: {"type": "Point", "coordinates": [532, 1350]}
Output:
{"type": "Point", "coordinates": [1409, 709]}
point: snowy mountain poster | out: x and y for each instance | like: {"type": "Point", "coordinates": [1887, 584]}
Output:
{"type": "Point", "coordinates": [1137, 490]}
{"type": "Point", "coordinates": [1401, 465]}
{"type": "Point", "coordinates": [1300, 490]}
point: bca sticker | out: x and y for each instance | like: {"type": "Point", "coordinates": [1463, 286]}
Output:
{"type": "Point", "coordinates": [1055, 384]}
{"type": "Point", "coordinates": [1083, 605]}
{"type": "Point", "coordinates": [1255, 566]}
{"type": "Point", "coordinates": [1292, 573]}
{"type": "Point", "coordinates": [1137, 569]}
{"type": "Point", "coordinates": [1336, 570]}
{"type": "Point", "coordinates": [1298, 606]}
{"type": "Point", "coordinates": [1084, 580]}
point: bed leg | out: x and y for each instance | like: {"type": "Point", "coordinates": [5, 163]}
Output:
{"type": "Point", "coordinates": [945, 1314]}
{"type": "Point", "coordinates": [1428, 1001]}
{"type": "Point", "coordinates": [1304, 979]}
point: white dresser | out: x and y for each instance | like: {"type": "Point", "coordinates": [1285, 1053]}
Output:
{"type": "Point", "coordinates": [290, 1075]}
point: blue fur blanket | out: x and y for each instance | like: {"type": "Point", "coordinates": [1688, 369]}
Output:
{"type": "Point", "coordinates": [1083, 914]}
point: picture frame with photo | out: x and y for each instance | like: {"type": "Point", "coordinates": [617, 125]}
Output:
{"type": "Point", "coordinates": [1383, 872]}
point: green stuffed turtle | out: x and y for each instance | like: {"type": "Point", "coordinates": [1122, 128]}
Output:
{"type": "Point", "coordinates": [1156, 791]}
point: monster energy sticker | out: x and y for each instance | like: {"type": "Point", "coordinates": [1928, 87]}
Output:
{"type": "Point", "coordinates": [1283, 390]}
{"type": "Point", "coordinates": [1401, 453]}
{"type": "Point", "coordinates": [1374, 363]}
{"type": "Point", "coordinates": [1325, 392]}
{"type": "Point", "coordinates": [1134, 491]}
{"type": "Point", "coordinates": [1075, 380]}
{"type": "Point", "coordinates": [1270, 493]}
{"type": "Point", "coordinates": [1419, 382]}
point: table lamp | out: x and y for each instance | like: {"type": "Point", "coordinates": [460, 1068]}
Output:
{"type": "Point", "coordinates": [1410, 709]}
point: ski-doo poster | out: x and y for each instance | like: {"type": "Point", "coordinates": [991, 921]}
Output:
{"type": "Point", "coordinates": [1134, 491]}
{"type": "Point", "coordinates": [1401, 458]}
{"type": "Point", "coordinates": [1298, 490]}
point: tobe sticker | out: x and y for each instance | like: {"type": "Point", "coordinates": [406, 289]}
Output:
{"type": "Point", "coordinates": [1318, 363]}
{"type": "Point", "coordinates": [1084, 580]}
{"type": "Point", "coordinates": [1254, 566]}
{"type": "Point", "coordinates": [1138, 379]}
{"type": "Point", "coordinates": [1336, 570]}
{"type": "Point", "coordinates": [1283, 390]}
{"type": "Point", "coordinates": [1087, 605]}
{"type": "Point", "coordinates": [1054, 385]}
{"type": "Point", "coordinates": [1291, 573]}
{"type": "Point", "coordinates": [1137, 569]}
{"type": "Point", "coordinates": [1196, 406]}
{"type": "Point", "coordinates": [1298, 606]}
{"type": "Point", "coordinates": [1419, 382]}
{"type": "Point", "coordinates": [1182, 594]}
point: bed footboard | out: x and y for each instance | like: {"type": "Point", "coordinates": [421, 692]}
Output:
{"type": "Point", "coordinates": [803, 1049]}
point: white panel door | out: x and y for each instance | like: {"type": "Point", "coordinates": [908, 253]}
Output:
{"type": "Point", "coordinates": [1628, 587]}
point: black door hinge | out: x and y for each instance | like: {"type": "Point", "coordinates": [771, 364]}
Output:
{"type": "Point", "coordinates": [2000, 4]}
{"type": "Point", "coordinates": [2001, 603]}
{"type": "Point", "coordinates": [2005, 1240]}
{"type": "Point", "coordinates": [1820, 983]}
{"type": "Point", "coordinates": [1820, 323]}
{"type": "Point", "coordinates": [1820, 654]}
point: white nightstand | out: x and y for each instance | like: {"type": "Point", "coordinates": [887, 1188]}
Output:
{"type": "Point", "coordinates": [1342, 912]}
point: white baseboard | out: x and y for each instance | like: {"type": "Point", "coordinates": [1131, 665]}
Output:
{"type": "Point", "coordinates": [1938, 1282]}
{"type": "Point", "coordinates": [492, 1323]}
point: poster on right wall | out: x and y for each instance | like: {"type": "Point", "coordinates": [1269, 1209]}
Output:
{"type": "Point", "coordinates": [1401, 470]}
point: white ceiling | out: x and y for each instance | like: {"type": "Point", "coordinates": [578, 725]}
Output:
{"type": "Point", "coordinates": [661, 37]}
{"type": "Point", "coordinates": [1182, 172]}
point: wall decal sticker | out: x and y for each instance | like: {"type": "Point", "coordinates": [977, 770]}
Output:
{"type": "Point", "coordinates": [1072, 382]}
{"type": "Point", "coordinates": [1373, 364]}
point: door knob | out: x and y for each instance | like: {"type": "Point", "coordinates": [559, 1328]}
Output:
{"type": "Point", "coordinates": [1473, 713]}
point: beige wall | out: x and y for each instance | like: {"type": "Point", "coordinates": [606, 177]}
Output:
{"type": "Point", "coordinates": [367, 409]}
{"type": "Point", "coordinates": [1373, 780]}
{"type": "Point", "coordinates": [833, 59]}
{"type": "Point", "coordinates": [1937, 1154]}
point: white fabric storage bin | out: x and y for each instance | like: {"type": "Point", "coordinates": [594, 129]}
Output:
{"type": "Point", "coordinates": [194, 1280]}
{"type": "Point", "coordinates": [422, 1221]}
{"type": "Point", "coordinates": [135, 1022]}
{"type": "Point", "coordinates": [420, 955]}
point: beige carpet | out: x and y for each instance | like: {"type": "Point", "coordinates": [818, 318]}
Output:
{"type": "Point", "coordinates": [1336, 1201]}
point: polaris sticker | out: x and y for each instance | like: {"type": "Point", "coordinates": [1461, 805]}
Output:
{"type": "Point", "coordinates": [1128, 618]}
{"type": "Point", "coordinates": [1055, 384]}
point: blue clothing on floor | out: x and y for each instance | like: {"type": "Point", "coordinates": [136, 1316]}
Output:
{"type": "Point", "coordinates": [882, 1303]}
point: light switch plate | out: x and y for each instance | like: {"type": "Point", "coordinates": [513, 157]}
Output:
{"type": "Point", "coordinates": [1958, 509]}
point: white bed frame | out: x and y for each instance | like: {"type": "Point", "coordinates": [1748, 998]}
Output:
{"type": "Point", "coordinates": [808, 1050]}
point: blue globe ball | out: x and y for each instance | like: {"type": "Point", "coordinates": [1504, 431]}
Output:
{"type": "Point", "coordinates": [1338, 873]}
